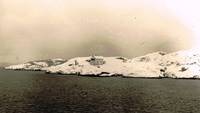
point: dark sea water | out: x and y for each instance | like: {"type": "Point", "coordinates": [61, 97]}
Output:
{"type": "Point", "coordinates": [37, 92]}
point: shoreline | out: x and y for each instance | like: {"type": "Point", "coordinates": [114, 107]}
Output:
{"type": "Point", "coordinates": [98, 76]}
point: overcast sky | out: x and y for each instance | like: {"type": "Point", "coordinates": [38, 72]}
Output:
{"type": "Point", "coordinates": [42, 29]}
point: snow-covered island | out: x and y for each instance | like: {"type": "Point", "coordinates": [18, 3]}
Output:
{"type": "Point", "coordinates": [181, 64]}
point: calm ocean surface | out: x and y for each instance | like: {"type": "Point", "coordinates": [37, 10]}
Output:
{"type": "Point", "coordinates": [37, 92]}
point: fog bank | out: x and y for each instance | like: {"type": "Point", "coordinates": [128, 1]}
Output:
{"type": "Point", "coordinates": [42, 29]}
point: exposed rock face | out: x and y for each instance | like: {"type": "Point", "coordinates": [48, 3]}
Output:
{"type": "Point", "coordinates": [182, 64]}
{"type": "Point", "coordinates": [96, 61]}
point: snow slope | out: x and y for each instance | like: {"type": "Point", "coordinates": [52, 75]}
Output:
{"type": "Point", "coordinates": [182, 64]}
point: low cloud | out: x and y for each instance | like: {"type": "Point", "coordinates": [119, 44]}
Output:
{"type": "Point", "coordinates": [31, 30]}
